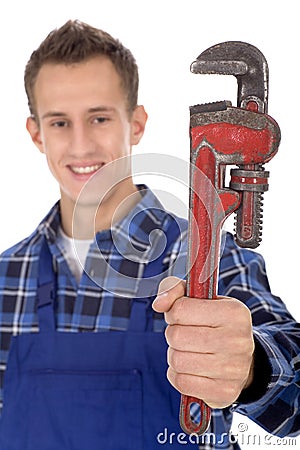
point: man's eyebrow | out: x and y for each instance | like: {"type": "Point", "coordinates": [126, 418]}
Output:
{"type": "Point", "coordinates": [101, 109]}
{"type": "Point", "coordinates": [94, 109]}
{"type": "Point", "coordinates": [53, 114]}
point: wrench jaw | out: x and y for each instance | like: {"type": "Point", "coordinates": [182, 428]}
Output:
{"type": "Point", "coordinates": [246, 63]}
{"type": "Point", "coordinates": [249, 216]}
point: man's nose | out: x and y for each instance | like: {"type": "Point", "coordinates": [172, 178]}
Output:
{"type": "Point", "coordinates": [81, 143]}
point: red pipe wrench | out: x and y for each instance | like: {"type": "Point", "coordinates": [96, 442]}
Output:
{"type": "Point", "coordinates": [221, 135]}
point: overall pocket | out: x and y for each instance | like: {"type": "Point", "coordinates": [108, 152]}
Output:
{"type": "Point", "coordinates": [72, 410]}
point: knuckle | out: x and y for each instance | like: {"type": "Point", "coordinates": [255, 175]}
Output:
{"type": "Point", "coordinates": [248, 346]}
{"type": "Point", "coordinates": [245, 315]}
{"type": "Point", "coordinates": [176, 360]}
{"type": "Point", "coordinates": [170, 358]}
{"type": "Point", "coordinates": [239, 345]}
{"type": "Point", "coordinates": [241, 373]}
{"type": "Point", "coordinates": [177, 310]}
{"type": "Point", "coordinates": [173, 335]}
{"type": "Point", "coordinates": [179, 381]}
{"type": "Point", "coordinates": [243, 344]}
{"type": "Point", "coordinates": [231, 392]}
{"type": "Point", "coordinates": [233, 370]}
{"type": "Point", "coordinates": [225, 396]}
{"type": "Point", "coordinates": [240, 310]}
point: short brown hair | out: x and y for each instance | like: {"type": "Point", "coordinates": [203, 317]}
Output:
{"type": "Point", "coordinates": [75, 42]}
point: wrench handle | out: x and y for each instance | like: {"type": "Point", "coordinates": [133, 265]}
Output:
{"type": "Point", "coordinates": [185, 417]}
{"type": "Point", "coordinates": [204, 236]}
{"type": "Point", "coordinates": [187, 422]}
{"type": "Point", "coordinates": [209, 207]}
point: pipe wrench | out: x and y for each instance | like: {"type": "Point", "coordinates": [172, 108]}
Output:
{"type": "Point", "coordinates": [222, 135]}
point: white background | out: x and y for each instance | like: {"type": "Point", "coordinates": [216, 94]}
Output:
{"type": "Point", "coordinates": [165, 36]}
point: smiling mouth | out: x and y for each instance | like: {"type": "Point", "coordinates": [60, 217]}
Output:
{"type": "Point", "coordinates": [85, 169]}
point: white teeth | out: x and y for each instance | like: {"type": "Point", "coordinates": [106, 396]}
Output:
{"type": "Point", "coordinates": [87, 169]}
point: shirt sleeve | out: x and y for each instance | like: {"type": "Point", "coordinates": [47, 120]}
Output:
{"type": "Point", "coordinates": [274, 406]}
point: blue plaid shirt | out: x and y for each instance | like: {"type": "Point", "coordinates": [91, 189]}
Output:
{"type": "Point", "coordinates": [113, 274]}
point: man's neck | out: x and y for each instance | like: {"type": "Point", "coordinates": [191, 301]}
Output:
{"type": "Point", "coordinates": [84, 220]}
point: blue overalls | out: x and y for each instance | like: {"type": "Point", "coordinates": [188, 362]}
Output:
{"type": "Point", "coordinates": [88, 391]}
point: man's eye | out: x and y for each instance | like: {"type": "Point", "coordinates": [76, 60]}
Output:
{"type": "Point", "coordinates": [60, 123]}
{"type": "Point", "coordinates": [100, 119]}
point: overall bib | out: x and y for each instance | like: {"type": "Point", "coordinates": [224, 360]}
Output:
{"type": "Point", "coordinates": [90, 390]}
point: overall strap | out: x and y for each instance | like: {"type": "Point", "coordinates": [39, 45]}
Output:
{"type": "Point", "coordinates": [141, 317]}
{"type": "Point", "coordinates": [46, 288]}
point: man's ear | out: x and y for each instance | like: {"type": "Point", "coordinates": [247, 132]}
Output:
{"type": "Point", "coordinates": [138, 123]}
{"type": "Point", "coordinates": [34, 131]}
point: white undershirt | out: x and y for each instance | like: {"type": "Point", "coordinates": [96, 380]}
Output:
{"type": "Point", "coordinates": [75, 252]}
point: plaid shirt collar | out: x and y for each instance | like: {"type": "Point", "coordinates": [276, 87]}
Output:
{"type": "Point", "coordinates": [130, 226]}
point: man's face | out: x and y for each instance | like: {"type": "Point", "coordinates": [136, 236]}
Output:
{"type": "Point", "coordinates": [82, 121]}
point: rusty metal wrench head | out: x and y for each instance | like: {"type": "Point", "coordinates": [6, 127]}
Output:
{"type": "Point", "coordinates": [249, 66]}
{"type": "Point", "coordinates": [246, 63]}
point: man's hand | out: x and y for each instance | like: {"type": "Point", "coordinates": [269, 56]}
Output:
{"type": "Point", "coordinates": [210, 344]}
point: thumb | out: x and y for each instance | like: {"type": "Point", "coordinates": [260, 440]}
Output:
{"type": "Point", "coordinates": [169, 290]}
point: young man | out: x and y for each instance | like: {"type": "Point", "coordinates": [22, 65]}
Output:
{"type": "Point", "coordinates": [83, 351]}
